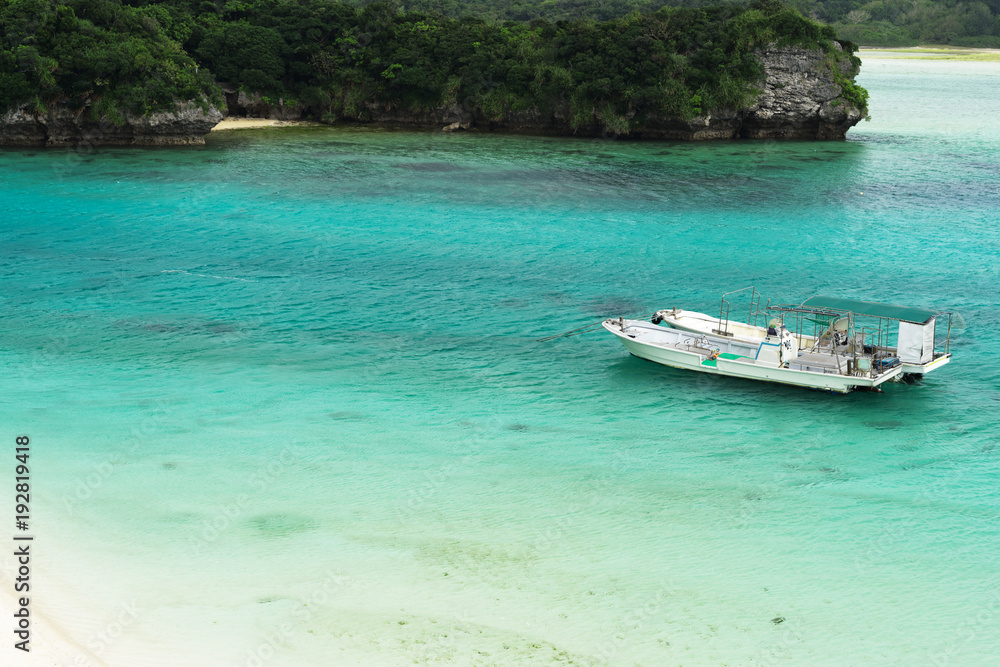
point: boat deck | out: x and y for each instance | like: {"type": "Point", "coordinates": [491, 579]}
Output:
{"type": "Point", "coordinates": [725, 355]}
{"type": "Point", "coordinates": [819, 363]}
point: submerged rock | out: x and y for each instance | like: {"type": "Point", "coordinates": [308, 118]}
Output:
{"type": "Point", "coordinates": [187, 124]}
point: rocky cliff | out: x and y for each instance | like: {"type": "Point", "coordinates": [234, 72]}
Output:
{"type": "Point", "coordinates": [241, 104]}
{"type": "Point", "coordinates": [186, 125]}
{"type": "Point", "coordinates": [801, 96]}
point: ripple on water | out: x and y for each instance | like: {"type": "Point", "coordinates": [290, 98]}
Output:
{"type": "Point", "coordinates": [364, 426]}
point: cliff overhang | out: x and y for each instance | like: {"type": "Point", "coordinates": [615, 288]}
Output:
{"type": "Point", "coordinates": [187, 124]}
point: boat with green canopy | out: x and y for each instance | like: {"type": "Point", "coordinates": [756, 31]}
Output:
{"type": "Point", "coordinates": [890, 334]}
{"type": "Point", "coordinates": [826, 343]}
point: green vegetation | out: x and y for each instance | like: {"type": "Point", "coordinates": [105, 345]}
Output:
{"type": "Point", "coordinates": [99, 54]}
{"type": "Point", "coordinates": [910, 22]}
{"type": "Point", "coordinates": [878, 23]}
{"type": "Point", "coordinates": [550, 10]}
{"type": "Point", "coordinates": [344, 62]}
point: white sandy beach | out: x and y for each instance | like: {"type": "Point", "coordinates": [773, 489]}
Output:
{"type": "Point", "coordinates": [251, 123]}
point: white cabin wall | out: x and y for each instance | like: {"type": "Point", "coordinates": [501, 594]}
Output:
{"type": "Point", "coordinates": [915, 343]}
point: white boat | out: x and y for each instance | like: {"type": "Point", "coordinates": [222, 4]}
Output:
{"type": "Point", "coordinates": [826, 343]}
{"type": "Point", "coordinates": [776, 358]}
{"type": "Point", "coordinates": [886, 331]}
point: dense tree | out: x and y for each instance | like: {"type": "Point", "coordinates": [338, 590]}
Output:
{"type": "Point", "coordinates": [93, 53]}
{"type": "Point", "coordinates": [342, 61]}
{"type": "Point", "coordinates": [251, 55]}
{"type": "Point", "coordinates": [883, 22]}
{"type": "Point", "coordinates": [140, 55]}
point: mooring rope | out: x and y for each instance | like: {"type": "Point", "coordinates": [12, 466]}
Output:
{"type": "Point", "coordinates": [572, 332]}
{"type": "Point", "coordinates": [580, 330]}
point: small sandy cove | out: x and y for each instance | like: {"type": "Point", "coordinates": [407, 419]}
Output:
{"type": "Point", "coordinates": [248, 123]}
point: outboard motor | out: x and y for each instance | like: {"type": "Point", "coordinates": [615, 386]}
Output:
{"type": "Point", "coordinates": [660, 314]}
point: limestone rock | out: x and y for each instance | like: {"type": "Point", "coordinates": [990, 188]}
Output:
{"type": "Point", "coordinates": [800, 98]}
{"type": "Point", "coordinates": [60, 126]}
{"type": "Point", "coordinates": [254, 105]}
{"type": "Point", "coordinates": [18, 127]}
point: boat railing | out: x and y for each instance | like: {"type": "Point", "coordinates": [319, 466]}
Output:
{"type": "Point", "coordinates": [699, 343]}
{"type": "Point", "coordinates": [877, 351]}
{"type": "Point", "coordinates": [756, 313]}
{"type": "Point", "coordinates": [947, 340]}
{"type": "Point", "coordinates": [723, 328]}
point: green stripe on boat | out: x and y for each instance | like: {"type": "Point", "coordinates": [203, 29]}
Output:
{"type": "Point", "coordinates": [724, 355]}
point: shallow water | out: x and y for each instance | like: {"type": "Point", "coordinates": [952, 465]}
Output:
{"type": "Point", "coordinates": [286, 403]}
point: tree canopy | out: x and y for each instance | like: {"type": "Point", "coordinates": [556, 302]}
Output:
{"type": "Point", "coordinates": [97, 53]}
{"type": "Point", "coordinates": [870, 23]}
{"type": "Point", "coordinates": [341, 61]}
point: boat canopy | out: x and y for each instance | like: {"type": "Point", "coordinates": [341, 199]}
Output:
{"type": "Point", "coordinates": [871, 308]}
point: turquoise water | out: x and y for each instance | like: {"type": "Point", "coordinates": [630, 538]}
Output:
{"type": "Point", "coordinates": [287, 405]}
